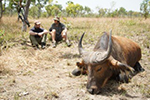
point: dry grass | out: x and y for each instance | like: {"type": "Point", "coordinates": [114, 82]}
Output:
{"type": "Point", "coordinates": [31, 74]}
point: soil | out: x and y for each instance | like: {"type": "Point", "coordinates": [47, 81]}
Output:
{"type": "Point", "coordinates": [28, 74]}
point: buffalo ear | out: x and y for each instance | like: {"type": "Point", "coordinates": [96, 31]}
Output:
{"type": "Point", "coordinates": [123, 69]}
{"type": "Point", "coordinates": [120, 66]}
{"type": "Point", "coordinates": [80, 64]}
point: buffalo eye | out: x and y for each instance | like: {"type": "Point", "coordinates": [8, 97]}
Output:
{"type": "Point", "coordinates": [99, 69]}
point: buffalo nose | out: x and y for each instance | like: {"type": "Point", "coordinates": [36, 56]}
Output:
{"type": "Point", "coordinates": [93, 90]}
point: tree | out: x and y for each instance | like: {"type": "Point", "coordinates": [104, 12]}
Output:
{"type": "Point", "coordinates": [53, 9]}
{"type": "Point", "coordinates": [136, 14]}
{"type": "Point", "coordinates": [70, 9]}
{"type": "Point", "coordinates": [40, 4]}
{"type": "Point", "coordinates": [115, 13]}
{"type": "Point", "coordinates": [102, 12]}
{"type": "Point", "coordinates": [33, 11]}
{"type": "Point", "coordinates": [56, 10]}
{"type": "Point", "coordinates": [12, 7]}
{"type": "Point", "coordinates": [130, 13]}
{"type": "Point", "coordinates": [2, 7]}
{"type": "Point", "coordinates": [87, 10]}
{"type": "Point", "coordinates": [122, 11]}
{"type": "Point", "coordinates": [48, 10]}
{"type": "Point", "coordinates": [145, 8]}
{"type": "Point", "coordinates": [74, 9]}
{"type": "Point", "coordinates": [36, 9]}
{"type": "Point", "coordinates": [26, 11]}
{"type": "Point", "coordinates": [22, 8]}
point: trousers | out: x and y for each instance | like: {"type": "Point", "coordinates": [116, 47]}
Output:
{"type": "Point", "coordinates": [35, 41]}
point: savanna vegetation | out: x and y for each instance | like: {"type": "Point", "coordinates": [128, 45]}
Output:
{"type": "Point", "coordinates": [47, 8]}
{"type": "Point", "coordinates": [31, 74]}
{"type": "Point", "coordinates": [26, 73]}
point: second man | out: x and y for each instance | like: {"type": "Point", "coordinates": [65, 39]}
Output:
{"type": "Point", "coordinates": [58, 31]}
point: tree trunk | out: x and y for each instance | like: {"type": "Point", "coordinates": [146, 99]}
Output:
{"type": "Point", "coordinates": [24, 26]}
{"type": "Point", "coordinates": [1, 9]}
{"type": "Point", "coordinates": [39, 12]}
{"type": "Point", "coordinates": [39, 9]}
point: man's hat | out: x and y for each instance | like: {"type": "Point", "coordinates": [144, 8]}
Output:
{"type": "Point", "coordinates": [37, 22]}
{"type": "Point", "coordinates": [57, 18]}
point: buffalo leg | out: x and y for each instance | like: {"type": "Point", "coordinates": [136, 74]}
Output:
{"type": "Point", "coordinates": [123, 77]}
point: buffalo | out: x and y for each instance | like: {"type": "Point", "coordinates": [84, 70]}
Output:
{"type": "Point", "coordinates": [112, 56]}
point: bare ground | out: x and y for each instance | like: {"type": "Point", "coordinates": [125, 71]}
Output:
{"type": "Point", "coordinates": [28, 74]}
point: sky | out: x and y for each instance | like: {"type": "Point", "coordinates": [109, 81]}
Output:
{"type": "Point", "coordinates": [133, 5]}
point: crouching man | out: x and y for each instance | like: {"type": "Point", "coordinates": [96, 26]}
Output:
{"type": "Point", "coordinates": [38, 35]}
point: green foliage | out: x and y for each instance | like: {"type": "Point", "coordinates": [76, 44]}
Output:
{"type": "Point", "coordinates": [74, 9]}
{"type": "Point", "coordinates": [9, 32]}
{"type": "Point", "coordinates": [145, 8]}
{"type": "Point", "coordinates": [54, 10]}
{"type": "Point", "coordinates": [87, 10]}
{"type": "Point", "coordinates": [128, 22]}
{"type": "Point", "coordinates": [1, 33]}
{"type": "Point", "coordinates": [50, 1]}
{"type": "Point", "coordinates": [16, 96]}
{"type": "Point", "coordinates": [146, 42]}
{"type": "Point", "coordinates": [102, 12]}
{"type": "Point", "coordinates": [1, 37]}
{"type": "Point", "coordinates": [122, 11]}
{"type": "Point", "coordinates": [133, 14]}
{"type": "Point", "coordinates": [115, 13]}
{"type": "Point", "coordinates": [131, 22]}
{"type": "Point", "coordinates": [44, 14]}
{"type": "Point", "coordinates": [67, 23]}
{"type": "Point", "coordinates": [33, 11]}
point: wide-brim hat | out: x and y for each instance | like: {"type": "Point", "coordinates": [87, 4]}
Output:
{"type": "Point", "coordinates": [37, 22]}
{"type": "Point", "coordinates": [56, 18]}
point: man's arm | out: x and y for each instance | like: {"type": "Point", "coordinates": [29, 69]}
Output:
{"type": "Point", "coordinates": [44, 32]}
{"type": "Point", "coordinates": [51, 28]}
{"type": "Point", "coordinates": [63, 26]}
{"type": "Point", "coordinates": [64, 29]}
{"type": "Point", "coordinates": [32, 33]}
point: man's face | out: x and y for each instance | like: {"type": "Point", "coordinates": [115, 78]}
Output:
{"type": "Point", "coordinates": [55, 21]}
{"type": "Point", "coordinates": [37, 25]}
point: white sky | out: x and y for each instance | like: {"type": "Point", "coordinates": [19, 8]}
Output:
{"type": "Point", "coordinates": [133, 5]}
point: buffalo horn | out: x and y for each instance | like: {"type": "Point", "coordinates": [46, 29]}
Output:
{"type": "Point", "coordinates": [81, 50]}
{"type": "Point", "coordinates": [101, 56]}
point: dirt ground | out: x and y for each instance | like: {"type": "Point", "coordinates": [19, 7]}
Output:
{"type": "Point", "coordinates": [28, 74]}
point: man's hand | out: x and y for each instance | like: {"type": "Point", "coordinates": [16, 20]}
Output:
{"type": "Point", "coordinates": [40, 34]}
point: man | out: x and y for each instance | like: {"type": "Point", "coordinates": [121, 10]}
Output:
{"type": "Point", "coordinates": [38, 35]}
{"type": "Point", "coordinates": [58, 31]}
